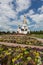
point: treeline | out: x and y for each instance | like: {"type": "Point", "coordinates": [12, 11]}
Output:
{"type": "Point", "coordinates": [8, 32]}
{"type": "Point", "coordinates": [36, 32]}
{"type": "Point", "coordinates": [13, 32]}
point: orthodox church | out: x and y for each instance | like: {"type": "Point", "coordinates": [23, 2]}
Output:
{"type": "Point", "coordinates": [24, 28]}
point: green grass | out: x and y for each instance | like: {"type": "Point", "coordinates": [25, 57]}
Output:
{"type": "Point", "coordinates": [38, 35]}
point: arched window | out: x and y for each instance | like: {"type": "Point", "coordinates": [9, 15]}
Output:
{"type": "Point", "coordinates": [22, 29]}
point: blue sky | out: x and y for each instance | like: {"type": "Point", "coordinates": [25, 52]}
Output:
{"type": "Point", "coordinates": [12, 14]}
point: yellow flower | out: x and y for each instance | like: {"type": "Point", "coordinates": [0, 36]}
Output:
{"type": "Point", "coordinates": [15, 64]}
{"type": "Point", "coordinates": [36, 59]}
{"type": "Point", "coordinates": [18, 56]}
{"type": "Point", "coordinates": [7, 53]}
{"type": "Point", "coordinates": [26, 52]}
{"type": "Point", "coordinates": [21, 54]}
{"type": "Point", "coordinates": [9, 49]}
{"type": "Point", "coordinates": [1, 55]}
{"type": "Point", "coordinates": [34, 52]}
{"type": "Point", "coordinates": [29, 58]}
{"type": "Point", "coordinates": [1, 48]}
{"type": "Point", "coordinates": [37, 54]}
{"type": "Point", "coordinates": [21, 57]}
{"type": "Point", "coordinates": [23, 49]}
{"type": "Point", "coordinates": [14, 59]}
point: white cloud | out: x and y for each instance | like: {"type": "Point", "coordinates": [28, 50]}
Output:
{"type": "Point", "coordinates": [23, 4]}
{"type": "Point", "coordinates": [5, 1]}
{"type": "Point", "coordinates": [6, 12]}
{"type": "Point", "coordinates": [16, 22]}
{"type": "Point", "coordinates": [37, 18]}
{"type": "Point", "coordinates": [40, 9]}
{"type": "Point", "coordinates": [31, 12]}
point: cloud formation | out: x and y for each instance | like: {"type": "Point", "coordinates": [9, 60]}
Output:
{"type": "Point", "coordinates": [6, 12]}
{"type": "Point", "coordinates": [22, 4]}
{"type": "Point", "coordinates": [40, 9]}
{"type": "Point", "coordinates": [9, 16]}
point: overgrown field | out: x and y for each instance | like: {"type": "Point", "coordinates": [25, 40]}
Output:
{"type": "Point", "coordinates": [20, 56]}
{"type": "Point", "coordinates": [20, 39]}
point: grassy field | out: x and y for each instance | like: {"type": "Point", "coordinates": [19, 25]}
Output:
{"type": "Point", "coordinates": [37, 35]}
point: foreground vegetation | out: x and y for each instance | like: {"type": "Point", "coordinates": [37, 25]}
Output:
{"type": "Point", "coordinates": [20, 56]}
{"type": "Point", "coordinates": [20, 39]}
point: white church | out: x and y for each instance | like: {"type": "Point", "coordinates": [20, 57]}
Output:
{"type": "Point", "coordinates": [24, 28]}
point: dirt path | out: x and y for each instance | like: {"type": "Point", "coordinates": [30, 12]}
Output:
{"type": "Point", "coordinates": [21, 45]}
{"type": "Point", "coordinates": [24, 45]}
{"type": "Point", "coordinates": [40, 39]}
